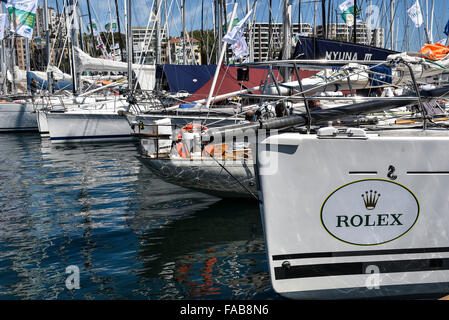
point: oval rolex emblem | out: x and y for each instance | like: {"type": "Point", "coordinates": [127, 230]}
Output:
{"type": "Point", "coordinates": [369, 212]}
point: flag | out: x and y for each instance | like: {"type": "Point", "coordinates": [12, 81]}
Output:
{"type": "Point", "coordinates": [236, 39]}
{"type": "Point", "coordinates": [240, 48]}
{"type": "Point", "coordinates": [112, 25]}
{"type": "Point", "coordinates": [237, 31]}
{"type": "Point", "coordinates": [348, 8]}
{"type": "Point", "coordinates": [2, 25]}
{"type": "Point", "coordinates": [228, 19]}
{"type": "Point", "coordinates": [153, 17]}
{"type": "Point", "coordinates": [94, 28]}
{"type": "Point", "coordinates": [415, 14]}
{"type": "Point", "coordinates": [24, 14]}
{"type": "Point", "coordinates": [446, 29]}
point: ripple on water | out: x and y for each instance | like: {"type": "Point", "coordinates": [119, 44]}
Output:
{"type": "Point", "coordinates": [131, 235]}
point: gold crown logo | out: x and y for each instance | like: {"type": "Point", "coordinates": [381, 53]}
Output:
{"type": "Point", "coordinates": [370, 199]}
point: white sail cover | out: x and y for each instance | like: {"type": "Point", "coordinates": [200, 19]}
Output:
{"type": "Point", "coordinates": [146, 74]}
{"type": "Point", "coordinates": [359, 75]}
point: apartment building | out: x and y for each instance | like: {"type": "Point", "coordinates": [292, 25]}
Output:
{"type": "Point", "coordinates": [261, 40]}
{"type": "Point", "coordinates": [55, 21]}
{"type": "Point", "coordinates": [144, 51]}
{"type": "Point", "coordinates": [192, 48]}
{"type": "Point", "coordinates": [341, 31]}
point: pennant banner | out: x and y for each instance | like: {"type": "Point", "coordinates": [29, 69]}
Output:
{"type": "Point", "coordinates": [348, 9]}
{"type": "Point", "coordinates": [94, 28]}
{"type": "Point", "coordinates": [22, 14]}
{"type": "Point", "coordinates": [111, 26]}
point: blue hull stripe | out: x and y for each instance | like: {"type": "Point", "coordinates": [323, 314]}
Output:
{"type": "Point", "coordinates": [93, 137]}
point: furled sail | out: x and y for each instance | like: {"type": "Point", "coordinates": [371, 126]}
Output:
{"type": "Point", "coordinates": [146, 74]}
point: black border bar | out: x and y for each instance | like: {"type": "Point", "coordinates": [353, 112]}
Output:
{"type": "Point", "coordinates": [357, 253]}
{"type": "Point", "coordinates": [357, 268]}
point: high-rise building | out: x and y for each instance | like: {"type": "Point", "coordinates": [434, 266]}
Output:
{"type": "Point", "coordinates": [261, 40]}
{"type": "Point", "coordinates": [20, 51]}
{"type": "Point", "coordinates": [342, 32]}
{"type": "Point", "coordinates": [55, 21]}
{"type": "Point", "coordinates": [144, 51]}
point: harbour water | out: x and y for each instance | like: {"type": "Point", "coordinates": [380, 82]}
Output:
{"type": "Point", "coordinates": [95, 209]}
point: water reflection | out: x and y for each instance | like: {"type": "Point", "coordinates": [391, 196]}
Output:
{"type": "Point", "coordinates": [132, 235]}
{"type": "Point", "coordinates": [215, 251]}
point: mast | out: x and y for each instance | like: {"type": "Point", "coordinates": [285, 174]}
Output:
{"type": "Point", "coordinates": [207, 37]}
{"type": "Point", "coordinates": [355, 21]}
{"type": "Point", "coordinates": [112, 29]}
{"type": "Point", "coordinates": [368, 25]}
{"type": "Point", "coordinates": [27, 60]}
{"type": "Point", "coordinates": [287, 23]}
{"type": "Point", "coordinates": [323, 11]}
{"type": "Point", "coordinates": [250, 34]}
{"type": "Point", "coordinates": [270, 30]}
{"type": "Point", "coordinates": [329, 17]}
{"type": "Point", "coordinates": [314, 20]}
{"type": "Point", "coordinates": [167, 30]}
{"type": "Point", "coordinates": [202, 26]}
{"type": "Point", "coordinates": [119, 31]}
{"type": "Point", "coordinates": [3, 61]}
{"type": "Point", "coordinates": [129, 42]}
{"type": "Point", "coordinates": [432, 11]}
{"type": "Point", "coordinates": [392, 8]}
{"type": "Point", "coordinates": [184, 57]}
{"type": "Point", "coordinates": [225, 16]}
{"type": "Point", "coordinates": [91, 28]}
{"type": "Point", "coordinates": [74, 43]}
{"type": "Point", "coordinates": [219, 21]}
{"type": "Point", "coordinates": [47, 43]}
{"type": "Point", "coordinates": [12, 57]}
{"type": "Point", "coordinates": [158, 33]}
{"type": "Point", "coordinates": [426, 25]}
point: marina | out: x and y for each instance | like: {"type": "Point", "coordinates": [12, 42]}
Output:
{"type": "Point", "coordinates": [302, 159]}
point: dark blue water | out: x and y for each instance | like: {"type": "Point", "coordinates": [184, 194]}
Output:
{"type": "Point", "coordinates": [94, 207]}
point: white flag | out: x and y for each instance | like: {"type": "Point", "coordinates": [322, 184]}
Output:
{"type": "Point", "coordinates": [22, 14]}
{"type": "Point", "coordinates": [415, 14]}
{"type": "Point", "coordinates": [2, 25]}
{"type": "Point", "coordinates": [236, 33]}
{"type": "Point", "coordinates": [346, 5]}
{"type": "Point", "coordinates": [240, 48]}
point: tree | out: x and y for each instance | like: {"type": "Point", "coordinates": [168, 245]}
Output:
{"type": "Point", "coordinates": [206, 45]}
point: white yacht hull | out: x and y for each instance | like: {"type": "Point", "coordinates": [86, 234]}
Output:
{"type": "Point", "coordinates": [17, 117]}
{"type": "Point", "coordinates": [348, 217]}
{"type": "Point", "coordinates": [88, 127]}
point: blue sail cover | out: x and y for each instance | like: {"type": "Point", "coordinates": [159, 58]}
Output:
{"type": "Point", "coordinates": [309, 48]}
{"type": "Point", "coordinates": [187, 78]}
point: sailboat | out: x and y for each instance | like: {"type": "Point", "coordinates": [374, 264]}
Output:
{"type": "Point", "coordinates": [16, 110]}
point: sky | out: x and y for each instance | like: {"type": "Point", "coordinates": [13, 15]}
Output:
{"type": "Point", "coordinates": [407, 36]}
